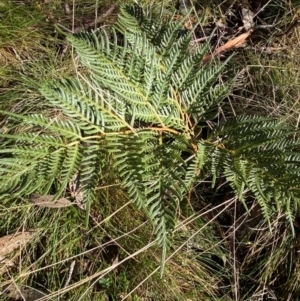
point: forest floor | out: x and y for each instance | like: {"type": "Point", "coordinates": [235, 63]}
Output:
{"type": "Point", "coordinates": [46, 254]}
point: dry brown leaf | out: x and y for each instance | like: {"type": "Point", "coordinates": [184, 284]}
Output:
{"type": "Point", "coordinates": [11, 242]}
{"type": "Point", "coordinates": [47, 201]}
{"type": "Point", "coordinates": [227, 46]}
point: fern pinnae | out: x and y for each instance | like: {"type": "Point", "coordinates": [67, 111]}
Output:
{"type": "Point", "coordinates": [130, 162]}
{"type": "Point", "coordinates": [91, 166]}
{"type": "Point", "coordinates": [130, 19]}
{"type": "Point", "coordinates": [178, 52]}
{"type": "Point", "coordinates": [237, 179]}
{"type": "Point", "coordinates": [52, 124]}
{"type": "Point", "coordinates": [202, 82]}
{"type": "Point", "coordinates": [255, 183]}
{"type": "Point", "coordinates": [110, 110]}
{"type": "Point", "coordinates": [117, 81]}
{"type": "Point", "coordinates": [49, 169]}
{"type": "Point", "coordinates": [289, 214]}
{"type": "Point", "coordinates": [70, 167]}
{"type": "Point", "coordinates": [190, 67]}
{"type": "Point", "coordinates": [35, 138]}
{"type": "Point", "coordinates": [71, 98]}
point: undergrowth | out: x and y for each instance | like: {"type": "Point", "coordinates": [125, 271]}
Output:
{"type": "Point", "coordinates": [221, 251]}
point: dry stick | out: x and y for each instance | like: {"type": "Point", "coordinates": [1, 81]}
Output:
{"type": "Point", "coordinates": [230, 44]}
{"type": "Point", "coordinates": [236, 282]}
{"type": "Point", "coordinates": [69, 276]}
{"type": "Point", "coordinates": [70, 273]}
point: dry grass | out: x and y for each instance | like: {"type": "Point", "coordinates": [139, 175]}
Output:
{"type": "Point", "coordinates": [115, 257]}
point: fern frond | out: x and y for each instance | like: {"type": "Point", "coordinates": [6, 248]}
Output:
{"type": "Point", "coordinates": [71, 164]}
{"type": "Point", "coordinates": [85, 105]}
{"type": "Point", "coordinates": [105, 69]}
{"type": "Point", "coordinates": [195, 165]}
{"type": "Point", "coordinates": [93, 160]}
{"type": "Point", "coordinates": [141, 96]}
{"type": "Point", "coordinates": [143, 162]}
{"type": "Point", "coordinates": [256, 152]}
{"type": "Point", "coordinates": [164, 192]}
{"type": "Point", "coordinates": [64, 127]}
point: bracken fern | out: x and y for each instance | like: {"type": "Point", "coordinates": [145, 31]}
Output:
{"type": "Point", "coordinates": [136, 106]}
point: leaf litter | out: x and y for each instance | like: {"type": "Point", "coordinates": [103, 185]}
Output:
{"type": "Point", "coordinates": [12, 242]}
{"type": "Point", "coordinates": [47, 201]}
